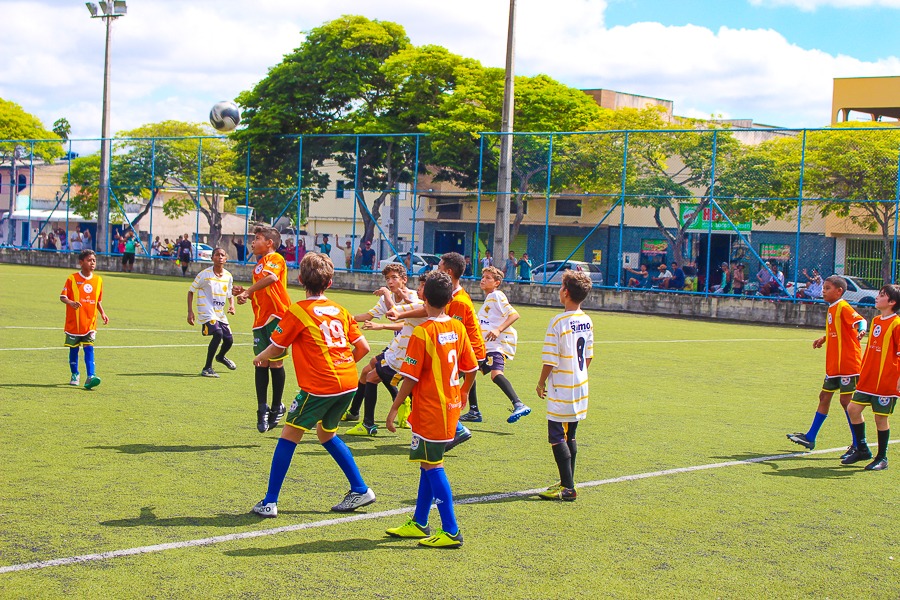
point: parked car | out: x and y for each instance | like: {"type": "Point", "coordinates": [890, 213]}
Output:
{"type": "Point", "coordinates": [201, 251]}
{"type": "Point", "coordinates": [859, 291]}
{"type": "Point", "coordinates": [537, 273]}
{"type": "Point", "coordinates": [420, 262]}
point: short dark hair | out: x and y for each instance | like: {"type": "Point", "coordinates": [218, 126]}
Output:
{"type": "Point", "coordinates": [578, 284]}
{"type": "Point", "coordinates": [438, 289]}
{"type": "Point", "coordinates": [316, 272]}
{"type": "Point", "coordinates": [270, 233]}
{"type": "Point", "coordinates": [84, 254]}
{"type": "Point", "coordinates": [838, 282]}
{"type": "Point", "coordinates": [455, 263]}
{"type": "Point", "coordinates": [893, 294]}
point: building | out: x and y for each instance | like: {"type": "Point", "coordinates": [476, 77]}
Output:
{"type": "Point", "coordinates": [877, 98]}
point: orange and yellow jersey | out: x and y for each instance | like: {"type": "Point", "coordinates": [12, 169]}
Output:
{"type": "Point", "coordinates": [272, 300]}
{"type": "Point", "coordinates": [881, 363]}
{"type": "Point", "coordinates": [843, 355]}
{"type": "Point", "coordinates": [461, 309]}
{"type": "Point", "coordinates": [321, 334]}
{"type": "Point", "coordinates": [88, 291]}
{"type": "Point", "coordinates": [438, 351]}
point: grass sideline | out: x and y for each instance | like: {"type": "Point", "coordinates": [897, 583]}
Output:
{"type": "Point", "coordinates": [157, 454]}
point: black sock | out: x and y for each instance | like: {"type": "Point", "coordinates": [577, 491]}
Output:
{"type": "Point", "coordinates": [573, 450]}
{"type": "Point", "coordinates": [277, 386]}
{"type": "Point", "coordinates": [358, 398]}
{"type": "Point", "coordinates": [883, 438]}
{"type": "Point", "coordinates": [473, 397]}
{"type": "Point", "coordinates": [226, 346]}
{"type": "Point", "coordinates": [564, 464]}
{"type": "Point", "coordinates": [859, 432]}
{"type": "Point", "coordinates": [211, 351]}
{"type": "Point", "coordinates": [371, 400]}
{"type": "Point", "coordinates": [262, 386]}
{"type": "Point", "coordinates": [504, 384]}
{"type": "Point", "coordinates": [392, 389]}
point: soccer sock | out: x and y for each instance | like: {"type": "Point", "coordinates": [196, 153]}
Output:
{"type": "Point", "coordinates": [262, 385]}
{"type": "Point", "coordinates": [440, 487]}
{"type": "Point", "coordinates": [278, 378]}
{"type": "Point", "coordinates": [859, 435]}
{"type": "Point", "coordinates": [459, 428]}
{"type": "Point", "coordinates": [73, 359]}
{"type": "Point", "coordinates": [473, 397]}
{"type": "Point", "coordinates": [281, 462]}
{"type": "Point", "coordinates": [371, 397]}
{"type": "Point", "coordinates": [89, 361]}
{"type": "Point", "coordinates": [227, 342]}
{"type": "Point", "coordinates": [424, 499]}
{"type": "Point", "coordinates": [211, 351]}
{"type": "Point", "coordinates": [358, 398]}
{"type": "Point", "coordinates": [342, 456]}
{"type": "Point", "coordinates": [818, 419]}
{"type": "Point", "coordinates": [853, 431]}
{"type": "Point", "coordinates": [573, 450]}
{"type": "Point", "coordinates": [883, 438]}
{"type": "Point", "coordinates": [564, 464]}
{"type": "Point", "coordinates": [504, 384]}
{"type": "Point", "coordinates": [392, 389]}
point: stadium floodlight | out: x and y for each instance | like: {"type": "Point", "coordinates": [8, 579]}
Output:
{"type": "Point", "coordinates": [112, 9]}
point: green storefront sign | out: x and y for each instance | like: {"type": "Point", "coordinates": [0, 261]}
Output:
{"type": "Point", "coordinates": [688, 213]}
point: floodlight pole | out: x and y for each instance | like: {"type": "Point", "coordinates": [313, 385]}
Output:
{"type": "Point", "coordinates": [504, 174]}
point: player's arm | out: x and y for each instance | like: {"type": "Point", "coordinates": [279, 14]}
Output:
{"type": "Point", "coordinates": [542, 381]}
{"type": "Point", "coordinates": [266, 355]}
{"type": "Point", "coordinates": [190, 315]}
{"type": "Point", "coordinates": [403, 393]}
{"type": "Point", "coordinates": [102, 313]}
{"type": "Point", "coordinates": [360, 348]}
{"type": "Point", "coordinates": [861, 326]}
{"type": "Point", "coordinates": [493, 334]}
{"type": "Point", "coordinates": [363, 317]}
{"type": "Point", "coordinates": [65, 300]}
{"type": "Point", "coordinates": [373, 326]}
{"type": "Point", "coordinates": [418, 312]}
{"type": "Point", "coordinates": [244, 294]}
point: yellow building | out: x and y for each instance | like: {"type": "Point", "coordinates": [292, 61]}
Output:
{"type": "Point", "coordinates": [875, 97]}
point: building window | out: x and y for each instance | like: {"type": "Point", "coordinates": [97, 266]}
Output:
{"type": "Point", "coordinates": [450, 210]}
{"type": "Point", "coordinates": [340, 189]}
{"type": "Point", "coordinates": [23, 181]}
{"type": "Point", "coordinates": [568, 208]}
{"type": "Point", "coordinates": [524, 204]}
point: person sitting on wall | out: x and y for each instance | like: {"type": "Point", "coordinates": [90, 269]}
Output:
{"type": "Point", "coordinates": [664, 275]}
{"type": "Point", "coordinates": [676, 281]}
{"type": "Point", "coordinates": [641, 278]}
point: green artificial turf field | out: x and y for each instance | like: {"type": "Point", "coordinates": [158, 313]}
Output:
{"type": "Point", "coordinates": [158, 455]}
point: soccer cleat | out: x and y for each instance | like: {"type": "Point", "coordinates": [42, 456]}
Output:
{"type": "Point", "coordinates": [274, 416]}
{"type": "Point", "coordinates": [363, 429]}
{"type": "Point", "coordinates": [519, 411]}
{"type": "Point", "coordinates": [461, 436]}
{"type": "Point", "coordinates": [473, 416]}
{"type": "Point", "coordinates": [353, 500]}
{"type": "Point", "coordinates": [349, 416]}
{"type": "Point", "coordinates": [879, 464]}
{"type": "Point", "coordinates": [76, 379]}
{"type": "Point", "coordinates": [850, 450]}
{"type": "Point", "coordinates": [442, 539]}
{"type": "Point", "coordinates": [227, 362]}
{"type": "Point", "coordinates": [554, 487]}
{"type": "Point", "coordinates": [410, 529]}
{"type": "Point", "coordinates": [209, 372]}
{"type": "Point", "coordinates": [800, 438]}
{"type": "Point", "coordinates": [859, 454]}
{"type": "Point", "coordinates": [403, 414]}
{"type": "Point", "coordinates": [262, 419]}
{"type": "Point", "coordinates": [92, 382]}
{"type": "Point", "coordinates": [559, 493]}
{"type": "Point", "coordinates": [266, 510]}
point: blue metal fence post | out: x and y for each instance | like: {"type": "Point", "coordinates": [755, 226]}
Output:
{"type": "Point", "coordinates": [547, 214]}
{"type": "Point", "coordinates": [299, 193]}
{"type": "Point", "coordinates": [477, 253]}
{"type": "Point", "coordinates": [247, 202]}
{"type": "Point", "coordinates": [620, 266]}
{"type": "Point", "coordinates": [415, 199]}
{"type": "Point", "coordinates": [355, 202]}
{"type": "Point", "coordinates": [799, 214]}
{"type": "Point", "coordinates": [896, 216]}
{"type": "Point", "coordinates": [199, 190]}
{"type": "Point", "coordinates": [710, 205]}
{"type": "Point", "coordinates": [152, 187]}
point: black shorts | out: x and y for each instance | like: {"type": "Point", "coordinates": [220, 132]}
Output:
{"type": "Point", "coordinates": [494, 361]}
{"type": "Point", "coordinates": [217, 328]}
{"type": "Point", "coordinates": [559, 432]}
{"type": "Point", "coordinates": [128, 258]}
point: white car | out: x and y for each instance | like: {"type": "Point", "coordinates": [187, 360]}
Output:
{"type": "Point", "coordinates": [420, 262]}
{"type": "Point", "coordinates": [201, 251]}
{"type": "Point", "coordinates": [537, 273]}
{"type": "Point", "coordinates": [859, 292]}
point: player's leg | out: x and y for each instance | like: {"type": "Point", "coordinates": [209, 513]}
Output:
{"type": "Point", "coordinates": [848, 389]}
{"type": "Point", "coordinates": [500, 380]}
{"type": "Point", "coordinates": [367, 426]}
{"type": "Point", "coordinates": [884, 437]}
{"type": "Point", "coordinates": [808, 439]}
{"type": "Point", "coordinates": [352, 413]}
{"type": "Point", "coordinates": [73, 360]}
{"type": "Point", "coordinates": [89, 363]}
{"type": "Point", "coordinates": [557, 434]}
{"type": "Point", "coordinates": [474, 413]}
{"type": "Point", "coordinates": [227, 343]}
{"type": "Point", "coordinates": [861, 450]}
{"type": "Point", "coordinates": [573, 445]}
{"type": "Point", "coordinates": [278, 376]}
{"type": "Point", "coordinates": [360, 494]}
{"type": "Point", "coordinates": [212, 330]}
{"type": "Point", "coordinates": [281, 462]}
{"type": "Point", "coordinates": [261, 380]}
{"type": "Point", "coordinates": [449, 536]}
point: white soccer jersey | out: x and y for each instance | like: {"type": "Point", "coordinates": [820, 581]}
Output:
{"type": "Point", "coordinates": [212, 294]}
{"type": "Point", "coordinates": [568, 345]}
{"type": "Point", "coordinates": [379, 310]}
{"type": "Point", "coordinates": [396, 352]}
{"type": "Point", "coordinates": [494, 311]}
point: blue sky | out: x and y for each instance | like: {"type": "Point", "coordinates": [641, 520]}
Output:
{"type": "Point", "coordinates": [772, 61]}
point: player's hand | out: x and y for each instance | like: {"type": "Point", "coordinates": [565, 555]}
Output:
{"type": "Point", "coordinates": [258, 362]}
{"type": "Point", "coordinates": [237, 289]}
{"type": "Point", "coordinates": [105, 319]}
{"type": "Point", "coordinates": [382, 291]}
{"type": "Point", "coordinates": [370, 325]}
{"type": "Point", "coordinates": [190, 317]}
{"type": "Point", "coordinates": [230, 310]}
{"type": "Point", "coordinates": [861, 334]}
{"type": "Point", "coordinates": [392, 314]}
{"type": "Point", "coordinates": [819, 343]}
{"type": "Point", "coordinates": [492, 335]}
{"type": "Point", "coordinates": [541, 389]}
{"type": "Point", "coordinates": [389, 423]}
{"type": "Point", "coordinates": [75, 305]}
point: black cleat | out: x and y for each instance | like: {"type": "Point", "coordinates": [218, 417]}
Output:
{"type": "Point", "coordinates": [800, 438]}
{"type": "Point", "coordinates": [274, 416]}
{"type": "Point", "coordinates": [859, 454]}
{"type": "Point", "coordinates": [461, 436]}
{"type": "Point", "coordinates": [227, 362]}
{"type": "Point", "coordinates": [262, 420]}
{"type": "Point", "coordinates": [850, 450]}
{"type": "Point", "coordinates": [879, 464]}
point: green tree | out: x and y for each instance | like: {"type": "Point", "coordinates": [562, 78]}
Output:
{"type": "Point", "coordinates": [18, 126]}
{"type": "Point", "coordinates": [62, 128]}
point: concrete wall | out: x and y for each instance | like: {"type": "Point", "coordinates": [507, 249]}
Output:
{"type": "Point", "coordinates": [749, 310]}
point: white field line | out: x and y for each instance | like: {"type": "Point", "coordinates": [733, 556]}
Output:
{"type": "Point", "coordinates": [118, 329]}
{"type": "Point", "coordinates": [83, 558]}
{"type": "Point", "coordinates": [104, 347]}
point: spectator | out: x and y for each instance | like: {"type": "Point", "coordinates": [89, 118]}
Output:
{"type": "Point", "coordinates": [664, 275]}
{"type": "Point", "coordinates": [348, 252]}
{"type": "Point", "coordinates": [367, 259]}
{"type": "Point", "coordinates": [813, 289]}
{"type": "Point", "coordinates": [468, 270]}
{"type": "Point", "coordinates": [641, 278]}
{"type": "Point", "coordinates": [156, 247]}
{"type": "Point", "coordinates": [525, 265]}
{"type": "Point", "coordinates": [676, 281]}
{"type": "Point", "coordinates": [738, 279]}
{"type": "Point", "coordinates": [509, 268]}
{"type": "Point", "coordinates": [487, 260]}
{"type": "Point", "coordinates": [407, 262]}
{"type": "Point", "coordinates": [75, 240]}
{"type": "Point", "coordinates": [301, 249]}
{"type": "Point", "coordinates": [50, 244]}
{"type": "Point", "coordinates": [324, 247]}
{"type": "Point", "coordinates": [87, 242]}
{"type": "Point", "coordinates": [724, 286]}
{"type": "Point", "coordinates": [238, 246]}
{"type": "Point", "coordinates": [290, 251]}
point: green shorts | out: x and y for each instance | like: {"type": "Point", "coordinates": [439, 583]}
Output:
{"type": "Point", "coordinates": [422, 451]}
{"type": "Point", "coordinates": [881, 405]}
{"type": "Point", "coordinates": [261, 338]}
{"type": "Point", "coordinates": [847, 385]}
{"type": "Point", "coordinates": [307, 410]}
{"type": "Point", "coordinates": [73, 341]}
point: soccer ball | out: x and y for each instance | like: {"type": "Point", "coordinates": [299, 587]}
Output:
{"type": "Point", "coordinates": [225, 116]}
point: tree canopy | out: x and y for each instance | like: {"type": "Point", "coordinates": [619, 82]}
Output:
{"type": "Point", "coordinates": [16, 124]}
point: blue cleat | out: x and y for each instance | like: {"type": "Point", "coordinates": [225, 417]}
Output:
{"type": "Point", "coordinates": [519, 411]}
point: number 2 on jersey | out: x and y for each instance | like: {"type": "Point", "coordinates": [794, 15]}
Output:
{"type": "Point", "coordinates": [454, 368]}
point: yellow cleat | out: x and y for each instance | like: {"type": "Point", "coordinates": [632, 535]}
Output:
{"type": "Point", "coordinates": [442, 539]}
{"type": "Point", "coordinates": [363, 429]}
{"type": "Point", "coordinates": [410, 529]}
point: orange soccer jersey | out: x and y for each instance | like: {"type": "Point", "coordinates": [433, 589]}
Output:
{"type": "Point", "coordinates": [322, 334]}
{"type": "Point", "coordinates": [842, 352]}
{"type": "Point", "coordinates": [438, 351]}
{"type": "Point", "coordinates": [881, 363]}
{"type": "Point", "coordinates": [272, 300]}
{"type": "Point", "coordinates": [462, 309]}
{"type": "Point", "coordinates": [88, 291]}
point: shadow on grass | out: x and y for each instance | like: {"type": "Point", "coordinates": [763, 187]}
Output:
{"type": "Point", "coordinates": [328, 546]}
{"type": "Point", "coordinates": [197, 375]}
{"type": "Point", "coordinates": [832, 472]}
{"type": "Point", "coordinates": [755, 456]}
{"type": "Point", "coordinates": [148, 519]}
{"type": "Point", "coordinates": [146, 448]}
{"type": "Point", "coordinates": [38, 385]}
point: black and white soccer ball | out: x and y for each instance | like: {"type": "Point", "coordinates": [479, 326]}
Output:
{"type": "Point", "coordinates": [225, 116]}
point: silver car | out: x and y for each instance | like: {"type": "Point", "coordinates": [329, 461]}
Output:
{"type": "Point", "coordinates": [537, 273]}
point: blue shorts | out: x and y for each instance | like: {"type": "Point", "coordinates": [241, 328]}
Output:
{"type": "Point", "coordinates": [493, 361]}
{"type": "Point", "coordinates": [216, 328]}
{"type": "Point", "coordinates": [561, 432]}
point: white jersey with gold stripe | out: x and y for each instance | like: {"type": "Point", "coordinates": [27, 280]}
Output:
{"type": "Point", "coordinates": [494, 311]}
{"type": "Point", "coordinates": [396, 351]}
{"type": "Point", "coordinates": [213, 292]}
{"type": "Point", "coordinates": [568, 345]}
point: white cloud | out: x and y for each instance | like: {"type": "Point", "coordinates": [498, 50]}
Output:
{"type": "Point", "coordinates": [173, 60]}
{"type": "Point", "coordinates": [811, 5]}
